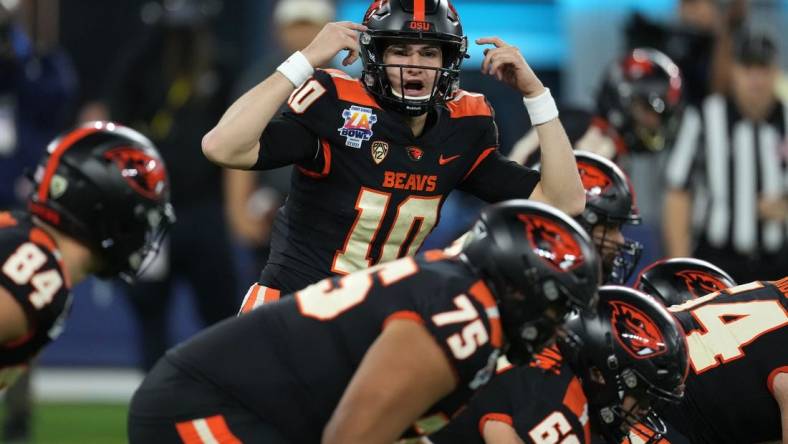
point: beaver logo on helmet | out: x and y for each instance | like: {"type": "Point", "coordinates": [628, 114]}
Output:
{"type": "Point", "coordinates": [700, 283]}
{"type": "Point", "coordinates": [595, 181]}
{"type": "Point", "coordinates": [552, 242]}
{"type": "Point", "coordinates": [373, 8]}
{"type": "Point", "coordinates": [144, 173]}
{"type": "Point", "coordinates": [636, 332]}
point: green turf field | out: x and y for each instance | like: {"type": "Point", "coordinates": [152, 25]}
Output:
{"type": "Point", "coordinates": [79, 424]}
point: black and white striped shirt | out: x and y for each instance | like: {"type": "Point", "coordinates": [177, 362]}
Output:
{"type": "Point", "coordinates": [730, 162]}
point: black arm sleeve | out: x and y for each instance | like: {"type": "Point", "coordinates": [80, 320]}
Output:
{"type": "Point", "coordinates": [285, 142]}
{"type": "Point", "coordinates": [498, 178]}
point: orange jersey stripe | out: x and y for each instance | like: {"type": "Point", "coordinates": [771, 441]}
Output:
{"type": "Point", "coordinates": [782, 285]}
{"type": "Point", "coordinates": [351, 90]}
{"type": "Point", "coordinates": [434, 255]}
{"type": "Point", "coordinates": [40, 237]}
{"type": "Point", "coordinates": [405, 315]}
{"type": "Point", "coordinates": [206, 430]}
{"type": "Point", "coordinates": [481, 293]}
{"type": "Point", "coordinates": [220, 431]}
{"type": "Point", "coordinates": [479, 160]}
{"type": "Point", "coordinates": [188, 433]}
{"type": "Point", "coordinates": [6, 220]}
{"type": "Point", "coordinates": [250, 300]}
{"type": "Point", "coordinates": [773, 374]}
{"type": "Point", "coordinates": [326, 162]}
{"type": "Point", "coordinates": [270, 295]}
{"type": "Point", "coordinates": [500, 417]}
{"type": "Point", "coordinates": [467, 104]}
{"type": "Point", "coordinates": [575, 400]}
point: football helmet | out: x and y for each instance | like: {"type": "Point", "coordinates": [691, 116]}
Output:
{"type": "Point", "coordinates": [643, 80]}
{"type": "Point", "coordinates": [630, 357]}
{"type": "Point", "coordinates": [427, 21]}
{"type": "Point", "coordinates": [536, 260]}
{"type": "Point", "coordinates": [610, 203]}
{"type": "Point", "coordinates": [106, 186]}
{"type": "Point", "coordinates": [675, 281]}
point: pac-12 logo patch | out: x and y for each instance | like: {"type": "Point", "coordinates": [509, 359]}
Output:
{"type": "Point", "coordinates": [379, 151]}
{"type": "Point", "coordinates": [358, 125]}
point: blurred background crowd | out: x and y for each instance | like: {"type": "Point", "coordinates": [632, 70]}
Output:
{"type": "Point", "coordinates": [170, 68]}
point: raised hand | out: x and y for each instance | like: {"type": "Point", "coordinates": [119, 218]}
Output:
{"type": "Point", "coordinates": [508, 65]}
{"type": "Point", "coordinates": [333, 38]}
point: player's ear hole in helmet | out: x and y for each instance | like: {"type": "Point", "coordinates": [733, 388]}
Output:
{"type": "Point", "coordinates": [430, 22]}
{"type": "Point", "coordinates": [540, 265]}
{"type": "Point", "coordinates": [106, 186]}
{"type": "Point", "coordinates": [631, 357]}
{"type": "Point", "coordinates": [677, 280]}
{"type": "Point", "coordinates": [610, 204]}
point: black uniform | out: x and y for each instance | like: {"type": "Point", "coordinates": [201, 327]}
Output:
{"type": "Point", "coordinates": [31, 271]}
{"type": "Point", "coordinates": [282, 369]}
{"type": "Point", "coordinates": [366, 190]}
{"type": "Point", "coordinates": [738, 343]}
{"type": "Point", "coordinates": [543, 402]}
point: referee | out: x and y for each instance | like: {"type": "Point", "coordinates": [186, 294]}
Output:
{"type": "Point", "coordinates": [727, 178]}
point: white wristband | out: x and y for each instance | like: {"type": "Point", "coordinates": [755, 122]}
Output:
{"type": "Point", "coordinates": [296, 68]}
{"type": "Point", "coordinates": [541, 109]}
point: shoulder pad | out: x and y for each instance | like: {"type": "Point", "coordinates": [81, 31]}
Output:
{"type": "Point", "coordinates": [350, 89]}
{"type": "Point", "coordinates": [468, 104]}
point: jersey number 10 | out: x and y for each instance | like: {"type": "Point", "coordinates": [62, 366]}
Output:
{"type": "Point", "coordinates": [416, 213]}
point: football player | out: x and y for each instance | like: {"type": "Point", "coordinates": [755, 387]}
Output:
{"type": "Point", "coordinates": [358, 359]}
{"type": "Point", "coordinates": [737, 389]}
{"type": "Point", "coordinates": [610, 204]}
{"type": "Point", "coordinates": [638, 109]}
{"type": "Point", "coordinates": [377, 157]}
{"type": "Point", "coordinates": [617, 367]}
{"type": "Point", "coordinates": [677, 280]}
{"type": "Point", "coordinates": [100, 206]}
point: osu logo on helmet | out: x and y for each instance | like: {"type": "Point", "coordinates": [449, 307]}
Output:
{"type": "Point", "coordinates": [700, 283]}
{"type": "Point", "coordinates": [552, 242]}
{"type": "Point", "coordinates": [595, 181]}
{"type": "Point", "coordinates": [144, 173]}
{"type": "Point", "coordinates": [636, 332]}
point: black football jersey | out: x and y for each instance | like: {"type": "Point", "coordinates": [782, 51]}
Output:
{"type": "Point", "coordinates": [372, 191]}
{"type": "Point", "coordinates": [542, 405]}
{"type": "Point", "coordinates": [31, 271]}
{"type": "Point", "coordinates": [738, 342]}
{"type": "Point", "coordinates": [290, 361]}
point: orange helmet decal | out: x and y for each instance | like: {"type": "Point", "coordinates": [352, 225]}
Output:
{"type": "Point", "coordinates": [700, 283]}
{"type": "Point", "coordinates": [143, 172]}
{"type": "Point", "coordinates": [637, 333]}
{"type": "Point", "coordinates": [552, 242]}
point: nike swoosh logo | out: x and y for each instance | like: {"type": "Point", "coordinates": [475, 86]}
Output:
{"type": "Point", "coordinates": [444, 160]}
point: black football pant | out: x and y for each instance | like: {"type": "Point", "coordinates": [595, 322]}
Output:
{"type": "Point", "coordinates": [171, 407]}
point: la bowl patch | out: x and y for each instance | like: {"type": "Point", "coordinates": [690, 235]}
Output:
{"type": "Point", "coordinates": [358, 125]}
